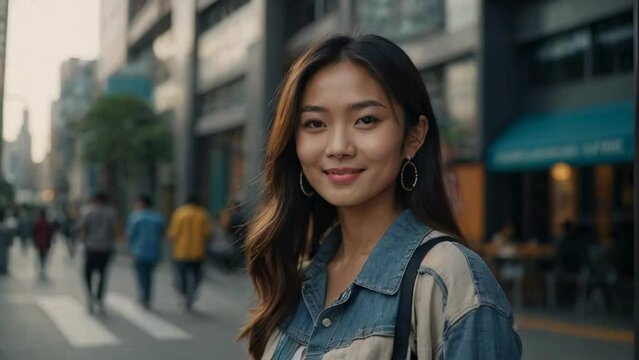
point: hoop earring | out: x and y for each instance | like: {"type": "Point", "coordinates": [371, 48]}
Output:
{"type": "Point", "coordinates": [307, 193]}
{"type": "Point", "coordinates": [415, 175]}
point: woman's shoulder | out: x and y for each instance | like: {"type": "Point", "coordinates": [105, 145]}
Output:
{"type": "Point", "coordinates": [464, 279]}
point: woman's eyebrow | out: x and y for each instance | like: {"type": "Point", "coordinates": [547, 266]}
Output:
{"type": "Point", "coordinates": [354, 106]}
{"type": "Point", "coordinates": [313, 108]}
{"type": "Point", "coordinates": [364, 104]}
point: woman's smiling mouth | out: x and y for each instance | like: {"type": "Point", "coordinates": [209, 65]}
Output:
{"type": "Point", "coordinates": [343, 176]}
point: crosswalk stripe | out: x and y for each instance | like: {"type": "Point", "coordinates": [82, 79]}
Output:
{"type": "Point", "coordinates": [18, 299]}
{"type": "Point", "coordinates": [149, 322]}
{"type": "Point", "coordinates": [73, 321]}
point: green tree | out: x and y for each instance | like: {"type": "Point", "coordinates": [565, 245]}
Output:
{"type": "Point", "coordinates": [124, 134]}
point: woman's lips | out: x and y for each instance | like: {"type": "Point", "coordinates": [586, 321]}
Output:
{"type": "Point", "coordinates": [343, 176]}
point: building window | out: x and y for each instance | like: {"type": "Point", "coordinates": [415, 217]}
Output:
{"type": "Point", "coordinates": [217, 12]}
{"type": "Point", "coordinates": [461, 14]}
{"type": "Point", "coordinates": [135, 6]}
{"type": "Point", "coordinates": [399, 19]}
{"type": "Point", "coordinates": [612, 48]}
{"type": "Point", "coordinates": [304, 12]}
{"type": "Point", "coordinates": [453, 95]}
{"type": "Point", "coordinates": [601, 48]}
{"type": "Point", "coordinates": [226, 96]}
{"type": "Point", "coordinates": [163, 51]}
{"type": "Point", "coordinates": [561, 58]}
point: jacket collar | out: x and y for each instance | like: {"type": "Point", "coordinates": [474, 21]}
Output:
{"type": "Point", "coordinates": [385, 266]}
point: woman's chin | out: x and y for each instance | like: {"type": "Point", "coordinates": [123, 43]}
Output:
{"type": "Point", "coordinates": [342, 200]}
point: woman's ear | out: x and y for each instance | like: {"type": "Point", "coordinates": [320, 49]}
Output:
{"type": "Point", "coordinates": [416, 137]}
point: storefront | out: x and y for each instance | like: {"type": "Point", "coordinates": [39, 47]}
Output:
{"type": "Point", "coordinates": [220, 169]}
{"type": "Point", "coordinates": [573, 165]}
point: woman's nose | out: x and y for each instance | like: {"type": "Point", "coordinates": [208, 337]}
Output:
{"type": "Point", "coordinates": [339, 143]}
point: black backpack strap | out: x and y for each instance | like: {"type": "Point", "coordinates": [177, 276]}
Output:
{"type": "Point", "coordinates": [405, 307]}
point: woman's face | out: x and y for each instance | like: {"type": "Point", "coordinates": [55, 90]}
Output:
{"type": "Point", "coordinates": [349, 136]}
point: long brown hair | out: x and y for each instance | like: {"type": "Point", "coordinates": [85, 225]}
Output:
{"type": "Point", "coordinates": [288, 223]}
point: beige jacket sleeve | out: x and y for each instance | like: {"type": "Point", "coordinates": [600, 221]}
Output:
{"type": "Point", "coordinates": [444, 292]}
{"type": "Point", "coordinates": [427, 317]}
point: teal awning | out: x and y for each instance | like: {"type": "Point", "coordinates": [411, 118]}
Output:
{"type": "Point", "coordinates": [599, 135]}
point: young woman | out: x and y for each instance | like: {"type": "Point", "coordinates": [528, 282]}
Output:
{"type": "Point", "coordinates": [354, 184]}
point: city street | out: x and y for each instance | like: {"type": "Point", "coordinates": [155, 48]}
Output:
{"type": "Point", "coordinates": [49, 320]}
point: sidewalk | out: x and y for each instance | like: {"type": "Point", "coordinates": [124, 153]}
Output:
{"type": "Point", "coordinates": [567, 335]}
{"type": "Point", "coordinates": [550, 335]}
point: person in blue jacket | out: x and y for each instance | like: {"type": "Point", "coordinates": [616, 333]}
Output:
{"type": "Point", "coordinates": [145, 231]}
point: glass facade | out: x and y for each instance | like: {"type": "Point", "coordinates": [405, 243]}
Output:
{"type": "Point", "coordinates": [561, 58]}
{"type": "Point", "coordinates": [612, 45]}
{"type": "Point", "coordinates": [135, 6]}
{"type": "Point", "coordinates": [461, 14]}
{"type": "Point", "coordinates": [217, 12]}
{"type": "Point", "coordinates": [453, 93]}
{"type": "Point", "coordinates": [163, 49]}
{"type": "Point", "coordinates": [399, 19]}
{"type": "Point", "coordinates": [305, 12]}
{"type": "Point", "coordinates": [601, 48]}
{"type": "Point", "coordinates": [223, 97]}
{"type": "Point", "coordinates": [220, 178]}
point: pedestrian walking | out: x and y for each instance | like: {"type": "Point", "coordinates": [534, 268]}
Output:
{"type": "Point", "coordinates": [96, 228]}
{"type": "Point", "coordinates": [145, 231]}
{"type": "Point", "coordinates": [6, 240]}
{"type": "Point", "coordinates": [354, 206]}
{"type": "Point", "coordinates": [25, 224]}
{"type": "Point", "coordinates": [42, 235]}
{"type": "Point", "coordinates": [189, 231]}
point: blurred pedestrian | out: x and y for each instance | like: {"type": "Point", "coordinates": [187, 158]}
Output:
{"type": "Point", "coordinates": [25, 224]}
{"type": "Point", "coordinates": [6, 239]}
{"type": "Point", "coordinates": [189, 231]}
{"type": "Point", "coordinates": [145, 231]}
{"type": "Point", "coordinates": [96, 227]}
{"type": "Point", "coordinates": [42, 237]}
{"type": "Point", "coordinates": [64, 227]}
{"type": "Point", "coordinates": [71, 216]}
{"type": "Point", "coordinates": [572, 248]}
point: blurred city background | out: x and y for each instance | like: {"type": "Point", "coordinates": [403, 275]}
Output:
{"type": "Point", "coordinates": [174, 97]}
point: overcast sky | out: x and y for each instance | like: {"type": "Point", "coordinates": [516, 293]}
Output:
{"type": "Point", "coordinates": [41, 34]}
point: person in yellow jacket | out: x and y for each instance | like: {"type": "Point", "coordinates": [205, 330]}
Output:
{"type": "Point", "coordinates": [189, 231]}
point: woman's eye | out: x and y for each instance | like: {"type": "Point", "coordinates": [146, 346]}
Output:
{"type": "Point", "coordinates": [367, 120]}
{"type": "Point", "coordinates": [313, 124]}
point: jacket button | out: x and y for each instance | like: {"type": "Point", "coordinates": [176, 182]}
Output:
{"type": "Point", "coordinates": [326, 322]}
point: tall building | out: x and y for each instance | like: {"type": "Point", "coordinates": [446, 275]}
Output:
{"type": "Point", "coordinates": [76, 96]}
{"type": "Point", "coordinates": [238, 66]}
{"type": "Point", "coordinates": [497, 72]}
{"type": "Point", "coordinates": [113, 39]}
{"type": "Point", "coordinates": [17, 164]}
{"type": "Point", "coordinates": [557, 106]}
{"type": "Point", "coordinates": [128, 64]}
{"type": "Point", "coordinates": [4, 16]}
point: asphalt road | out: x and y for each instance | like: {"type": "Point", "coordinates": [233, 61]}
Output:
{"type": "Point", "coordinates": [49, 319]}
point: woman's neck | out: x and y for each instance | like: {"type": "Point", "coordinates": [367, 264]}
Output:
{"type": "Point", "coordinates": [362, 227]}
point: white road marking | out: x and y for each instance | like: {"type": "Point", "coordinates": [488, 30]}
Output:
{"type": "Point", "coordinates": [147, 321]}
{"type": "Point", "coordinates": [75, 323]}
{"type": "Point", "coordinates": [21, 299]}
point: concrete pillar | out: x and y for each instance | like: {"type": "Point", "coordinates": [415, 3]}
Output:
{"type": "Point", "coordinates": [264, 74]}
{"type": "Point", "coordinates": [183, 28]}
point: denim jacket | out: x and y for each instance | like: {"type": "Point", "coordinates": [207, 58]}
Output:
{"type": "Point", "coordinates": [459, 310]}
